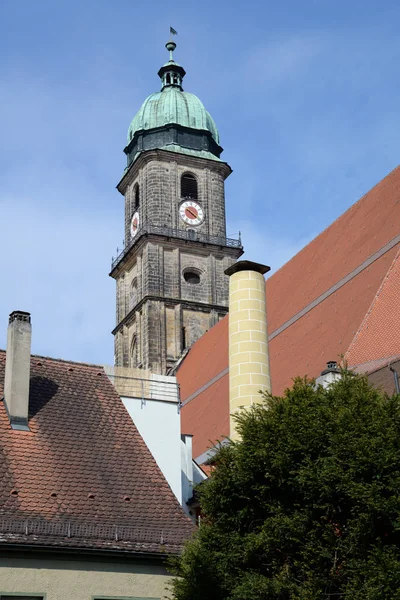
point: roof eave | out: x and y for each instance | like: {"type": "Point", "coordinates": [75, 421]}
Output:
{"type": "Point", "coordinates": [101, 553]}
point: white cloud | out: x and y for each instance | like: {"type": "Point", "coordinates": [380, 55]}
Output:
{"type": "Point", "coordinates": [54, 264]}
{"type": "Point", "coordinates": [60, 216]}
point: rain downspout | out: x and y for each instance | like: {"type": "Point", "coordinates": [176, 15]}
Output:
{"type": "Point", "coordinates": [396, 379]}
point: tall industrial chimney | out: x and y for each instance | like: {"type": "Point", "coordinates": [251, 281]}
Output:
{"type": "Point", "coordinates": [18, 363]}
{"type": "Point", "coordinates": [248, 340]}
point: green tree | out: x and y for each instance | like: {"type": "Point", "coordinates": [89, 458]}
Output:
{"type": "Point", "coordinates": [307, 505]}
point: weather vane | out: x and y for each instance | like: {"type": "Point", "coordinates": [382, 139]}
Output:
{"type": "Point", "coordinates": [170, 46]}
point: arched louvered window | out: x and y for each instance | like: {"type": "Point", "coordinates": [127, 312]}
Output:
{"type": "Point", "coordinates": [189, 186]}
{"type": "Point", "coordinates": [136, 196]}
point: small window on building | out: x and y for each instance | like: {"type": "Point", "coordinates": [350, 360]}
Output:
{"type": "Point", "coordinates": [183, 338]}
{"type": "Point", "coordinates": [191, 276]}
{"type": "Point", "coordinates": [134, 351]}
{"type": "Point", "coordinates": [21, 597]}
{"type": "Point", "coordinates": [136, 196]}
{"type": "Point", "coordinates": [189, 186]}
{"type": "Point", "coordinates": [168, 79]}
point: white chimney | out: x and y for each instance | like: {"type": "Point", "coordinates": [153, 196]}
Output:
{"type": "Point", "coordinates": [329, 375]}
{"type": "Point", "coordinates": [18, 363]}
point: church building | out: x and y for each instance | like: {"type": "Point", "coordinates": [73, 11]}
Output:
{"type": "Point", "coordinates": [336, 300]}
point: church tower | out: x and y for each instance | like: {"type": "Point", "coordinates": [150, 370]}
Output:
{"type": "Point", "coordinates": [170, 276]}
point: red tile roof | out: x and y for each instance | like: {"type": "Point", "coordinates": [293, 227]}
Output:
{"type": "Point", "coordinates": [82, 476]}
{"type": "Point", "coordinates": [379, 333]}
{"type": "Point", "coordinates": [210, 412]}
{"type": "Point", "coordinates": [371, 366]}
{"type": "Point", "coordinates": [326, 290]}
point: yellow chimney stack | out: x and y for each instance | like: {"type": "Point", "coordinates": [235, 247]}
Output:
{"type": "Point", "coordinates": [248, 339]}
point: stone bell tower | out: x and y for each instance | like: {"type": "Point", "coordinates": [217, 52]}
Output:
{"type": "Point", "coordinates": [170, 276]}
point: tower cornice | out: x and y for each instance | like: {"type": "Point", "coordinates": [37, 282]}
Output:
{"type": "Point", "coordinates": [205, 307]}
{"type": "Point", "coordinates": [174, 239]}
{"type": "Point", "coordinates": [170, 156]}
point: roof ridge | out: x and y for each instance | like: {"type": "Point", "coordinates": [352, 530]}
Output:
{"type": "Point", "coordinates": [382, 363]}
{"type": "Point", "coordinates": [341, 216]}
{"type": "Point", "coordinates": [61, 360]}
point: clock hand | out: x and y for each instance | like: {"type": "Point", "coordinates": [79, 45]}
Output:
{"type": "Point", "coordinates": [194, 215]}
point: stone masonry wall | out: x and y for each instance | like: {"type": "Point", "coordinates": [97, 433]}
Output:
{"type": "Point", "coordinates": [163, 313]}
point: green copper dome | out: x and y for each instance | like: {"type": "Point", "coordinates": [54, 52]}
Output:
{"type": "Point", "coordinates": [173, 120]}
{"type": "Point", "coordinates": [173, 105]}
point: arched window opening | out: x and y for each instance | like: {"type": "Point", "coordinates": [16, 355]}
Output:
{"type": "Point", "coordinates": [191, 276]}
{"type": "Point", "coordinates": [189, 186]}
{"type": "Point", "coordinates": [175, 79]}
{"type": "Point", "coordinates": [136, 196]}
{"type": "Point", "coordinates": [133, 356]}
{"type": "Point", "coordinates": [168, 78]}
{"type": "Point", "coordinates": [133, 294]}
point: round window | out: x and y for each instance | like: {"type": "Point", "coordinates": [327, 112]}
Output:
{"type": "Point", "coordinates": [191, 277]}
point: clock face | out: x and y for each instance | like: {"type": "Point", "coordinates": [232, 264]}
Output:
{"type": "Point", "coordinates": [134, 224]}
{"type": "Point", "coordinates": [191, 212]}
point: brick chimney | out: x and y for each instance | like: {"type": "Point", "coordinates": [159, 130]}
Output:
{"type": "Point", "coordinates": [248, 340]}
{"type": "Point", "coordinates": [18, 363]}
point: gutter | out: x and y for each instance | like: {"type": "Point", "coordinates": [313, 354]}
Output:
{"type": "Point", "coordinates": [395, 378]}
{"type": "Point", "coordinates": [32, 551]}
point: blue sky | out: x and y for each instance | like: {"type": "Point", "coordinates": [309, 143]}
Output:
{"type": "Point", "coordinates": [305, 96]}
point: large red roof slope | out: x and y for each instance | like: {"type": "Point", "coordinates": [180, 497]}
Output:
{"type": "Point", "coordinates": [82, 476]}
{"type": "Point", "coordinates": [316, 304]}
{"type": "Point", "coordinates": [379, 333]}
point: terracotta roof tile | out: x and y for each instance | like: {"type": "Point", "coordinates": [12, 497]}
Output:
{"type": "Point", "coordinates": [358, 233]}
{"type": "Point", "coordinates": [82, 443]}
{"type": "Point", "coordinates": [208, 416]}
{"type": "Point", "coordinates": [371, 366]}
{"type": "Point", "coordinates": [379, 334]}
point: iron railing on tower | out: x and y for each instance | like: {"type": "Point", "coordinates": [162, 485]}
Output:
{"type": "Point", "coordinates": [180, 234]}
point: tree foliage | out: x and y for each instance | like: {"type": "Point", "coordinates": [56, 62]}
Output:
{"type": "Point", "coordinates": [307, 505]}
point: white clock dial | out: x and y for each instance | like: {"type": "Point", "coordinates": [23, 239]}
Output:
{"type": "Point", "coordinates": [191, 212]}
{"type": "Point", "coordinates": [134, 224]}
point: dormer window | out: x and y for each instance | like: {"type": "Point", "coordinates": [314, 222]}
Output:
{"type": "Point", "coordinates": [189, 186]}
